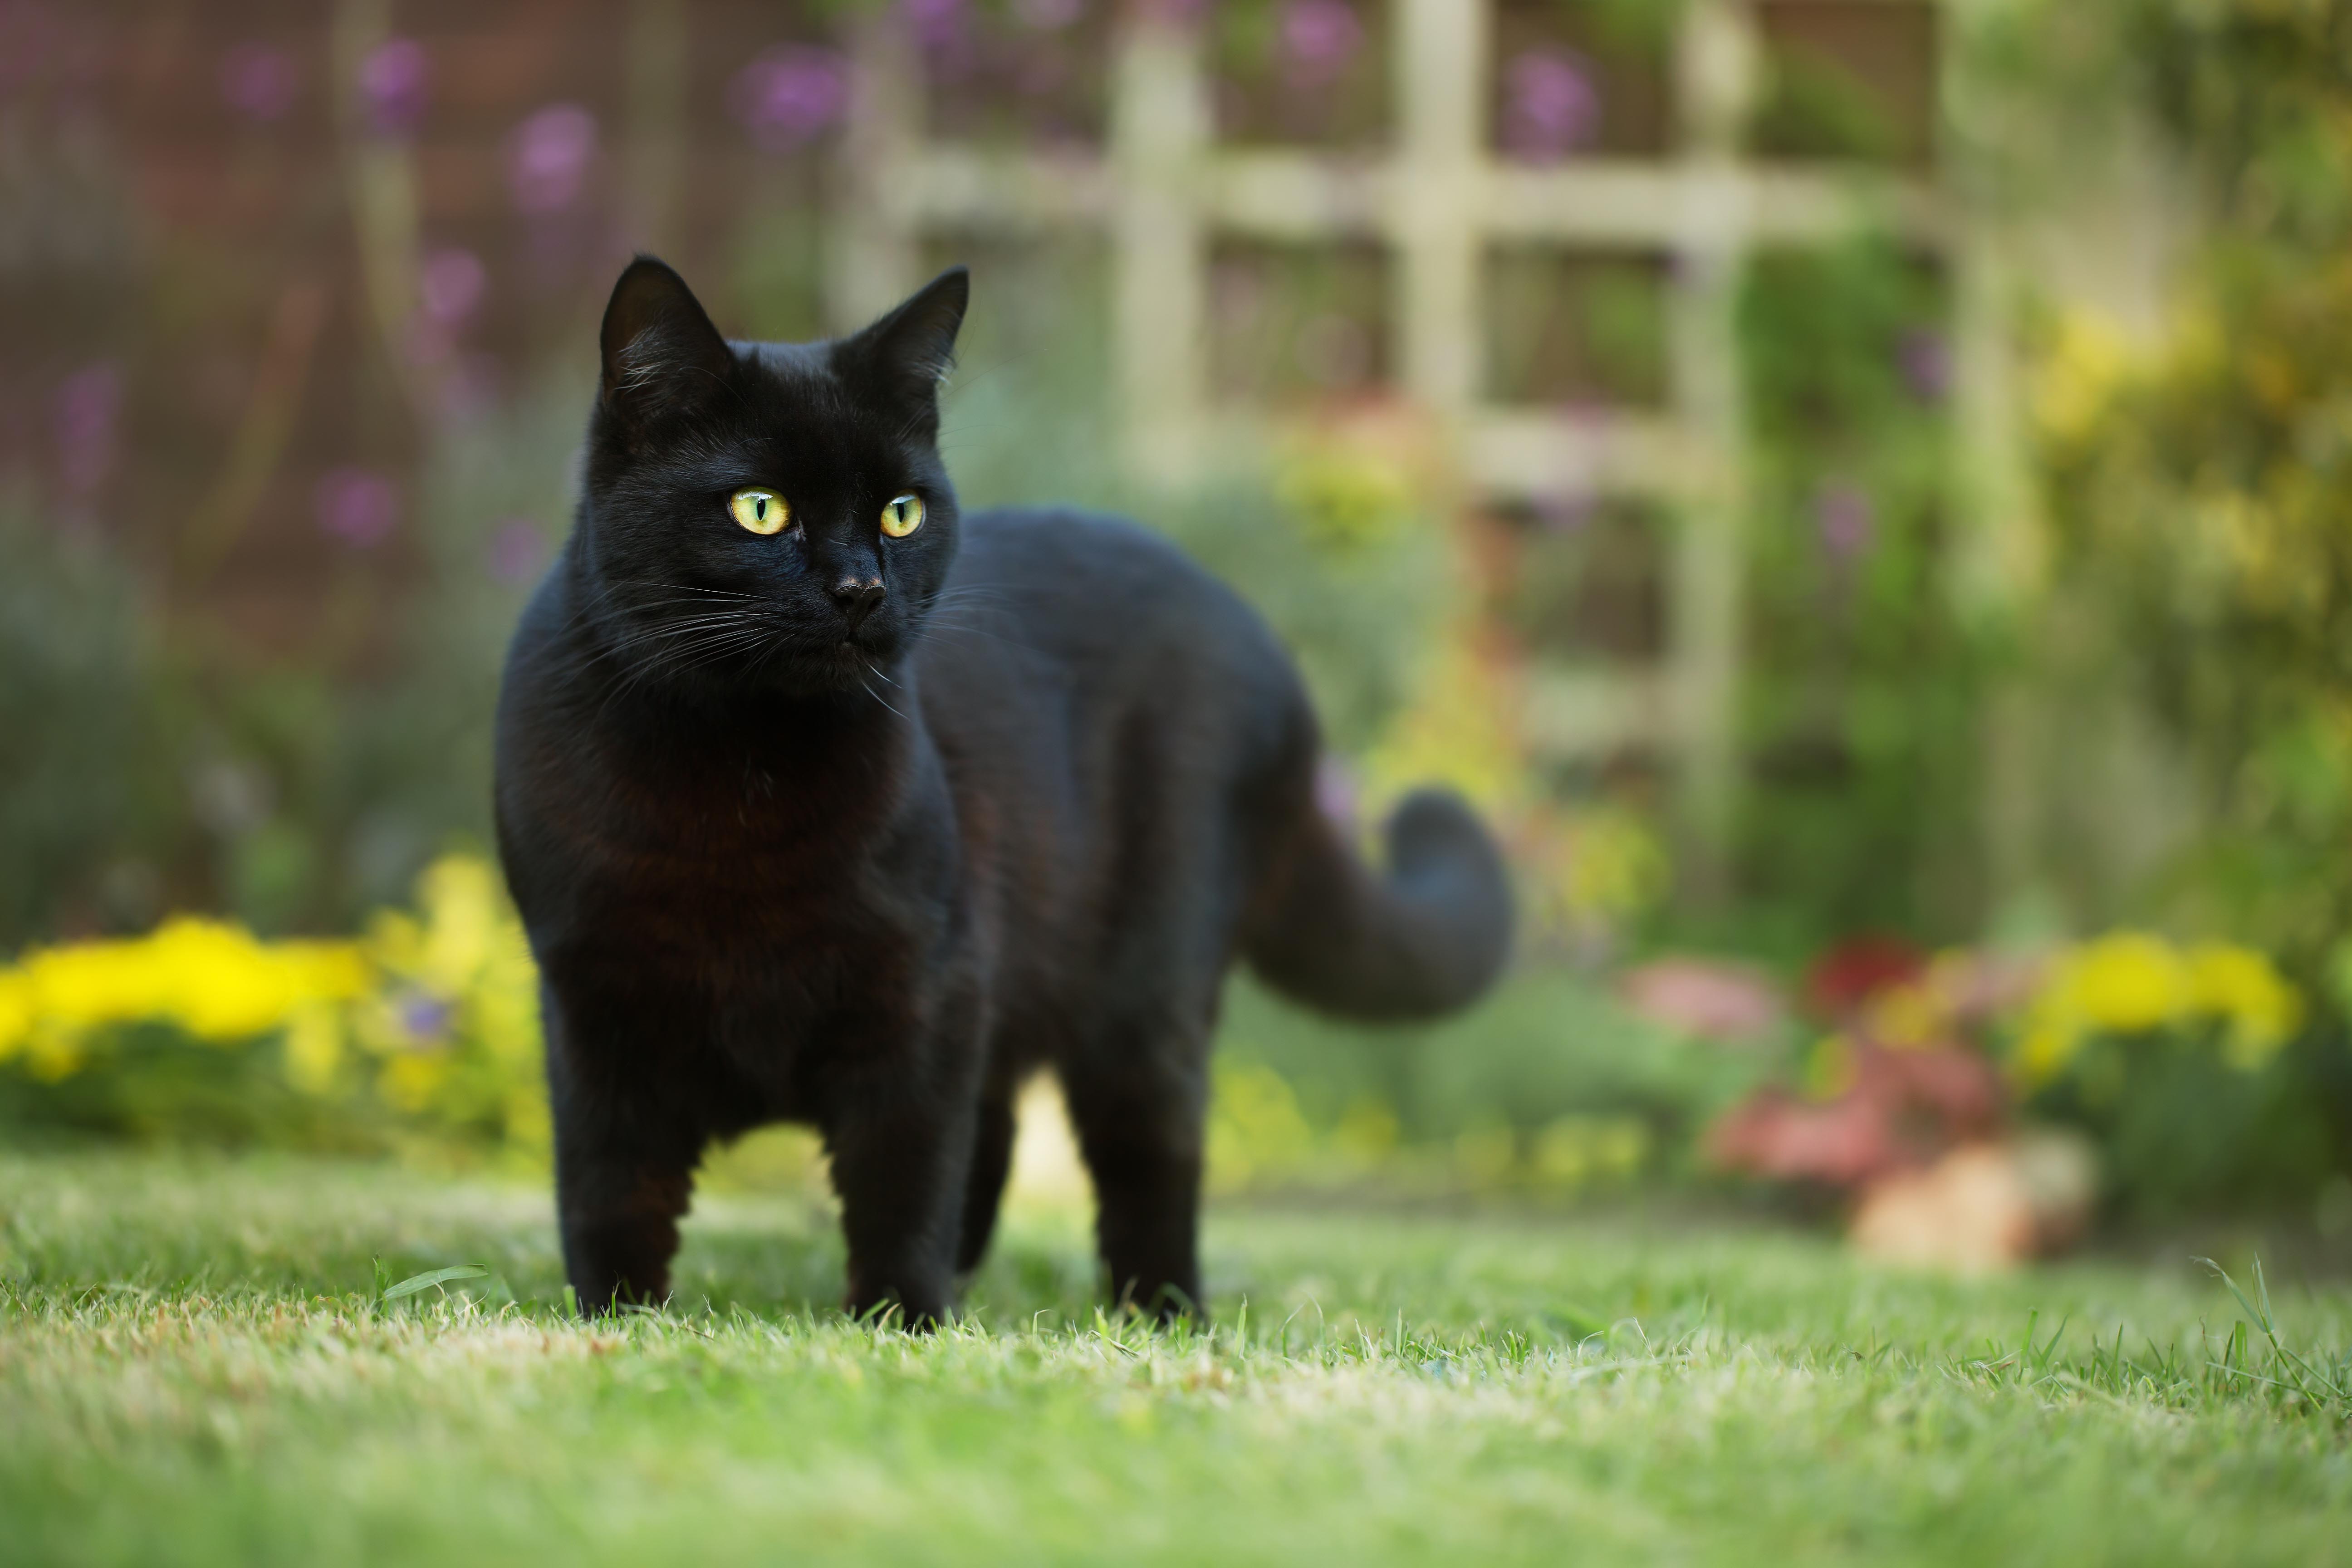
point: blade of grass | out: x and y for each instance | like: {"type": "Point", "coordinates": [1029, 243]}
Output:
{"type": "Point", "coordinates": [416, 1283]}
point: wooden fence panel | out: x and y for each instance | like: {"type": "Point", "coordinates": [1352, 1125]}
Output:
{"type": "Point", "coordinates": [1438, 199]}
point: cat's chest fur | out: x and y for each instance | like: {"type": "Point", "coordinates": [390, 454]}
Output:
{"type": "Point", "coordinates": [780, 877]}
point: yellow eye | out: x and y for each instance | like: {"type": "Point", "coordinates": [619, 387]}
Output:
{"type": "Point", "coordinates": [760, 511]}
{"type": "Point", "coordinates": [902, 516]}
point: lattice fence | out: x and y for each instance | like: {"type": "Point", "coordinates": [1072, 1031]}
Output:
{"type": "Point", "coordinates": [1438, 198]}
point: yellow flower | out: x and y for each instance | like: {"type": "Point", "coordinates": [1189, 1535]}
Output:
{"type": "Point", "coordinates": [1574, 1149]}
{"type": "Point", "coordinates": [1254, 1125]}
{"type": "Point", "coordinates": [314, 1049]}
{"type": "Point", "coordinates": [528, 1124]}
{"type": "Point", "coordinates": [460, 895]}
{"type": "Point", "coordinates": [409, 1081]}
{"type": "Point", "coordinates": [2240, 986]}
{"type": "Point", "coordinates": [214, 979]}
{"type": "Point", "coordinates": [2045, 1050]}
{"type": "Point", "coordinates": [455, 974]}
{"type": "Point", "coordinates": [16, 1012]}
{"type": "Point", "coordinates": [1366, 1130]}
{"type": "Point", "coordinates": [2086, 361]}
{"type": "Point", "coordinates": [2129, 983]}
{"type": "Point", "coordinates": [1615, 865]}
{"type": "Point", "coordinates": [1345, 499]}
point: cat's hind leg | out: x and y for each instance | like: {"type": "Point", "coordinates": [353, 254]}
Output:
{"type": "Point", "coordinates": [983, 1192]}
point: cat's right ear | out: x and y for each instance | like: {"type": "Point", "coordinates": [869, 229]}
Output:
{"type": "Point", "coordinates": [662, 356]}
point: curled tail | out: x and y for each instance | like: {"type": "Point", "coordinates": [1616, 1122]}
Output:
{"type": "Point", "coordinates": [1427, 937]}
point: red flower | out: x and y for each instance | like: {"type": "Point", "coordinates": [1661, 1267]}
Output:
{"type": "Point", "coordinates": [1904, 1111]}
{"type": "Point", "coordinates": [1857, 969]}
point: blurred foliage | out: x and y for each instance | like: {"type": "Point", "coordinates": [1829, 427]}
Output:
{"type": "Point", "coordinates": [2198, 489]}
{"type": "Point", "coordinates": [1566, 326]}
{"type": "Point", "coordinates": [1590, 586]}
{"type": "Point", "coordinates": [1310, 71]}
{"type": "Point", "coordinates": [85, 791]}
{"type": "Point", "coordinates": [1860, 687]}
{"type": "Point", "coordinates": [2201, 499]}
{"type": "Point", "coordinates": [1814, 107]}
{"type": "Point", "coordinates": [1547, 1085]}
{"type": "Point", "coordinates": [162, 770]}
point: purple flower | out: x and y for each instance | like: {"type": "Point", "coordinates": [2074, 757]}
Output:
{"type": "Point", "coordinates": [426, 1018]}
{"type": "Point", "coordinates": [548, 156]}
{"type": "Point", "coordinates": [88, 406]}
{"type": "Point", "coordinates": [1926, 360]}
{"type": "Point", "coordinates": [1552, 104]}
{"type": "Point", "coordinates": [938, 24]}
{"type": "Point", "coordinates": [517, 551]}
{"type": "Point", "coordinates": [450, 284]}
{"type": "Point", "coordinates": [789, 96]}
{"type": "Point", "coordinates": [1320, 37]}
{"type": "Point", "coordinates": [1843, 513]}
{"type": "Point", "coordinates": [1048, 15]}
{"type": "Point", "coordinates": [357, 506]}
{"type": "Point", "coordinates": [258, 81]}
{"type": "Point", "coordinates": [395, 83]}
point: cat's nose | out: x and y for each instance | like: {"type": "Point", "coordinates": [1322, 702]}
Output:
{"type": "Point", "coordinates": [857, 596]}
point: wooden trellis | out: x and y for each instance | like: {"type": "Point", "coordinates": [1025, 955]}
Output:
{"type": "Point", "coordinates": [1438, 198]}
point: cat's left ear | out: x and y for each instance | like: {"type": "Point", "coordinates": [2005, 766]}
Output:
{"type": "Point", "coordinates": [907, 353]}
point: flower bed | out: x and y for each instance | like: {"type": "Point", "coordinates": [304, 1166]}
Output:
{"type": "Point", "coordinates": [425, 1028]}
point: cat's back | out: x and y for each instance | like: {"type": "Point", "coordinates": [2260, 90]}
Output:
{"type": "Point", "coordinates": [1107, 603]}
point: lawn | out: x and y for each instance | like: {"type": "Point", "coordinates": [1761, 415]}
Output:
{"type": "Point", "coordinates": [197, 1365]}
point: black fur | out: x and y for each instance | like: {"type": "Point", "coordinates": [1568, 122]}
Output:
{"type": "Point", "coordinates": [789, 850]}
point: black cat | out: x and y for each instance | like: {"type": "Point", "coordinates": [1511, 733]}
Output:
{"type": "Point", "coordinates": [824, 803]}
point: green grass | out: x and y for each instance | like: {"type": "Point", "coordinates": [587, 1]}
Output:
{"type": "Point", "coordinates": [197, 1365]}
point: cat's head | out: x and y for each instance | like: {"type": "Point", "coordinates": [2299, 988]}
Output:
{"type": "Point", "coordinates": [766, 513]}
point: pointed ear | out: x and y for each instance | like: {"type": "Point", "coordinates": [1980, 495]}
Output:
{"type": "Point", "coordinates": [662, 356]}
{"type": "Point", "coordinates": [907, 353]}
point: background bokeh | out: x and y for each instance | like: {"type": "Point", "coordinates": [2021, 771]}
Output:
{"type": "Point", "coordinates": [1861, 491]}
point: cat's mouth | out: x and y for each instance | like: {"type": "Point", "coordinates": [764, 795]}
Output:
{"type": "Point", "coordinates": [868, 639]}
{"type": "Point", "coordinates": [854, 656]}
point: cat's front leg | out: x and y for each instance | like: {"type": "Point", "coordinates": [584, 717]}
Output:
{"type": "Point", "coordinates": [623, 1173]}
{"type": "Point", "coordinates": [901, 1143]}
